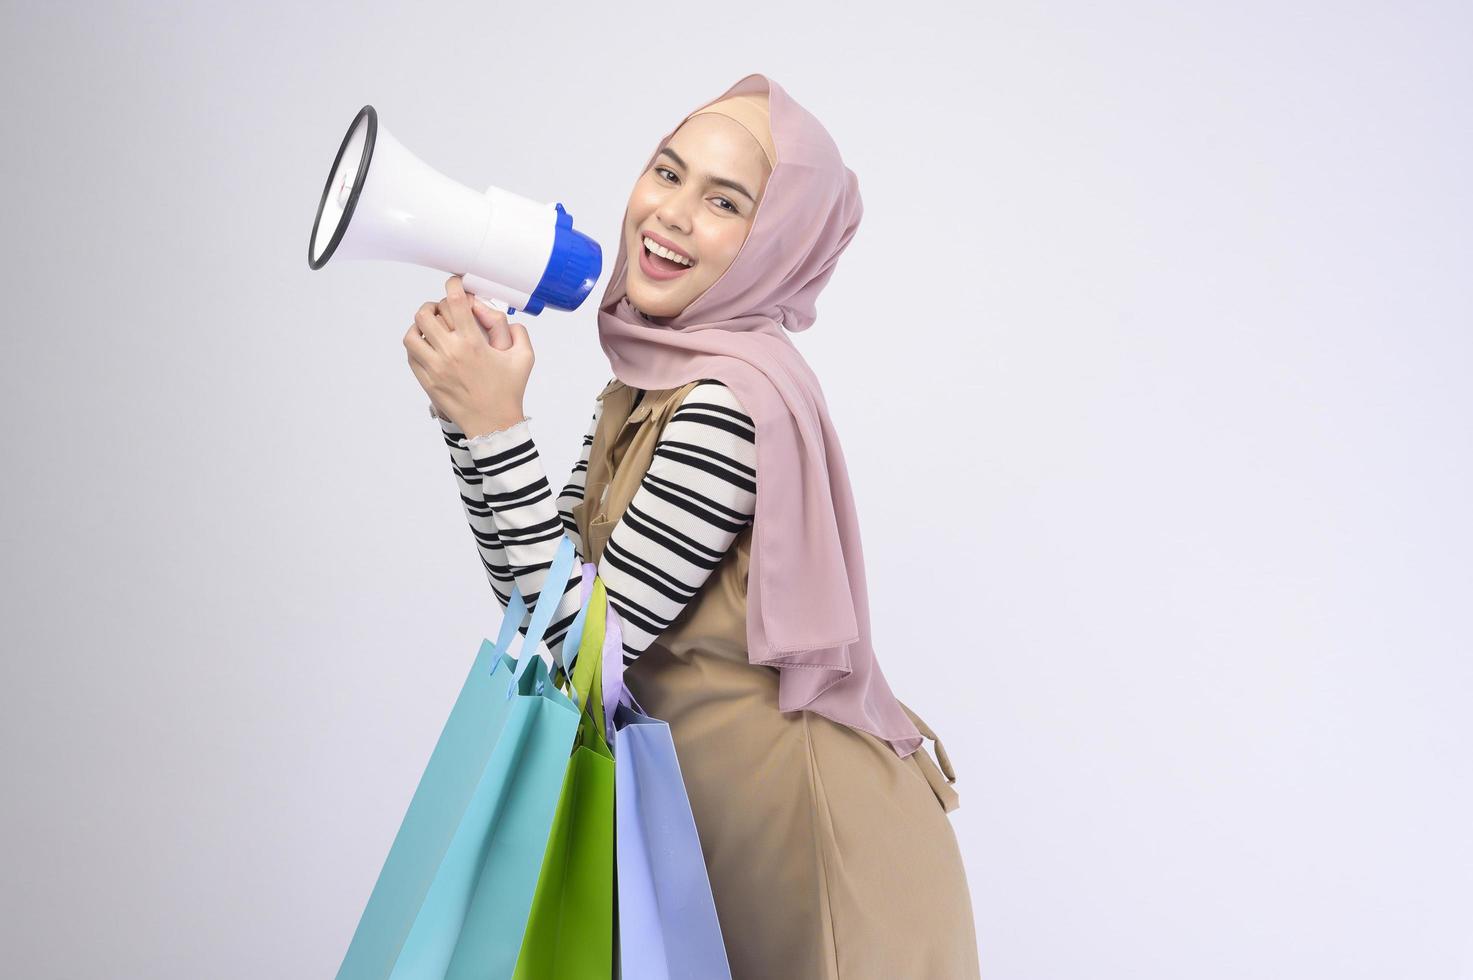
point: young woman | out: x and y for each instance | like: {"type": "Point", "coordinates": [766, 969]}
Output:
{"type": "Point", "coordinates": [711, 491]}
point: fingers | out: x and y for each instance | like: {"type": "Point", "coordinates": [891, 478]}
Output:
{"type": "Point", "coordinates": [419, 351]}
{"type": "Point", "coordinates": [456, 308]}
{"type": "Point", "coordinates": [500, 335]}
{"type": "Point", "coordinates": [435, 330]}
{"type": "Point", "coordinates": [487, 314]}
{"type": "Point", "coordinates": [494, 321]}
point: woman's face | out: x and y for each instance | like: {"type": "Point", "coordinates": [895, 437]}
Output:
{"type": "Point", "coordinates": [698, 198]}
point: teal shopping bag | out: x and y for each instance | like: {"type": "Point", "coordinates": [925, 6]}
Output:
{"type": "Point", "coordinates": [455, 892]}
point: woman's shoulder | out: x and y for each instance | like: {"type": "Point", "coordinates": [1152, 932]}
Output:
{"type": "Point", "coordinates": [715, 394]}
{"type": "Point", "coordinates": [711, 417]}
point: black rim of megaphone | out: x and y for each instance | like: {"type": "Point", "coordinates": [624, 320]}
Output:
{"type": "Point", "coordinates": [362, 175]}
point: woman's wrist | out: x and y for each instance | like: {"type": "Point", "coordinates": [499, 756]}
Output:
{"type": "Point", "coordinates": [491, 424]}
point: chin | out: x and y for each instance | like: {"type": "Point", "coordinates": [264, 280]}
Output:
{"type": "Point", "coordinates": [654, 299]}
{"type": "Point", "coordinates": [646, 300]}
{"type": "Point", "coordinates": [657, 311]}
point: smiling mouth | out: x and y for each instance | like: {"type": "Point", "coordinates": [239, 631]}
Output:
{"type": "Point", "coordinates": [657, 266]}
{"type": "Point", "coordinates": [665, 263]}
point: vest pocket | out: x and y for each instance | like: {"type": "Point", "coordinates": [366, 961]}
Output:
{"type": "Point", "coordinates": [599, 530]}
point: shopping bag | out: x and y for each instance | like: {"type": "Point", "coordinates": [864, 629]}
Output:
{"type": "Point", "coordinates": [570, 930]}
{"type": "Point", "coordinates": [667, 923]}
{"type": "Point", "coordinates": [454, 894]}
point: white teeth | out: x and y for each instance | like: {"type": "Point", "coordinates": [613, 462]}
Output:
{"type": "Point", "coordinates": [661, 250]}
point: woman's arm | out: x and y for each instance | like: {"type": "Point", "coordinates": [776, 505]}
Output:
{"type": "Point", "coordinates": [527, 563]}
{"type": "Point", "coordinates": [698, 494]}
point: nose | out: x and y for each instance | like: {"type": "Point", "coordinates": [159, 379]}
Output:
{"type": "Point", "coordinates": [674, 219]}
{"type": "Point", "coordinates": [674, 211]}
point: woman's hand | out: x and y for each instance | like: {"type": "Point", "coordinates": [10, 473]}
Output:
{"type": "Point", "coordinates": [472, 363]}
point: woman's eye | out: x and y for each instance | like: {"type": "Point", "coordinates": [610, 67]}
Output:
{"type": "Point", "coordinates": [662, 171]}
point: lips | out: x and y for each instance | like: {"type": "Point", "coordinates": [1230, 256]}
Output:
{"type": "Point", "coordinates": [659, 271]}
{"type": "Point", "coordinates": [667, 243]}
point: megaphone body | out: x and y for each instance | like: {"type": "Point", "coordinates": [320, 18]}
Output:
{"type": "Point", "coordinates": [383, 202]}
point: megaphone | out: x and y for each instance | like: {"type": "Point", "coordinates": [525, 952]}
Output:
{"type": "Point", "coordinates": [383, 202]}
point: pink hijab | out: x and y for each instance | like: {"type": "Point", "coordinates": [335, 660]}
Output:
{"type": "Point", "coordinates": [807, 603]}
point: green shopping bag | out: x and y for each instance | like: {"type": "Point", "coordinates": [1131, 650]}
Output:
{"type": "Point", "coordinates": [570, 934]}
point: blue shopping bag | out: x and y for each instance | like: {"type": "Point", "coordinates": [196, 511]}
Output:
{"type": "Point", "coordinates": [666, 922]}
{"type": "Point", "coordinates": [455, 892]}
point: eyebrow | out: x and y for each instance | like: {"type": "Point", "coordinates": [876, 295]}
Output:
{"type": "Point", "coordinates": [715, 180]}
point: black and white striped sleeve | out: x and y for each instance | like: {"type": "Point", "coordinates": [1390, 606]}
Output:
{"type": "Point", "coordinates": [509, 470]}
{"type": "Point", "coordinates": [699, 492]}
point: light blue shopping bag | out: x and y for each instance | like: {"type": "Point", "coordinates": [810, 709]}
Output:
{"type": "Point", "coordinates": [666, 922]}
{"type": "Point", "coordinates": [455, 892]}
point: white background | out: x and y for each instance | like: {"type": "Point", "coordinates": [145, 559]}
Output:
{"type": "Point", "coordinates": [1150, 360]}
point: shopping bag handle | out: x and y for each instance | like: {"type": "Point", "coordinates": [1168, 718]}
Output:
{"type": "Point", "coordinates": [574, 636]}
{"type": "Point", "coordinates": [615, 691]}
{"type": "Point", "coordinates": [574, 639]}
{"type": "Point", "coordinates": [547, 603]}
{"type": "Point", "coordinates": [516, 610]}
{"type": "Point", "coordinates": [584, 684]}
{"type": "Point", "coordinates": [613, 687]}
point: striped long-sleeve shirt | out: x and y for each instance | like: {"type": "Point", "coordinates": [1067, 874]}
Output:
{"type": "Point", "coordinates": [699, 492]}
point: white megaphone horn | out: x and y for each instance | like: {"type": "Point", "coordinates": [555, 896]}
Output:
{"type": "Point", "coordinates": [383, 202]}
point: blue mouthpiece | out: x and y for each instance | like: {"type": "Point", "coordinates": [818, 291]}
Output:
{"type": "Point", "coordinates": [572, 269]}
